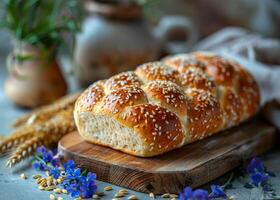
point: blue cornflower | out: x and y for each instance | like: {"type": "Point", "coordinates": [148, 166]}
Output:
{"type": "Point", "coordinates": [88, 186]}
{"type": "Point", "coordinates": [73, 189]}
{"type": "Point", "coordinates": [69, 165]}
{"type": "Point", "coordinates": [255, 165]}
{"type": "Point", "coordinates": [76, 183]}
{"type": "Point", "coordinates": [41, 150]}
{"type": "Point", "coordinates": [258, 178]}
{"type": "Point", "coordinates": [40, 166]}
{"type": "Point", "coordinates": [217, 192]}
{"type": "Point", "coordinates": [197, 194]}
{"type": "Point", "coordinates": [257, 172]}
{"type": "Point", "coordinates": [45, 159]}
{"type": "Point", "coordinates": [47, 156]}
{"type": "Point", "coordinates": [200, 194]}
{"type": "Point", "coordinates": [55, 172]}
{"type": "Point", "coordinates": [55, 162]}
{"type": "Point", "coordinates": [73, 174]}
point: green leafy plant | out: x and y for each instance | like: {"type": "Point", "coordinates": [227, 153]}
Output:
{"type": "Point", "coordinates": [41, 23]}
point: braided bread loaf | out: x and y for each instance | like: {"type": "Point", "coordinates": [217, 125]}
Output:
{"type": "Point", "coordinates": [164, 105]}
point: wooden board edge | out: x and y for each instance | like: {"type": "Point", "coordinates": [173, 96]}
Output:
{"type": "Point", "coordinates": [163, 182]}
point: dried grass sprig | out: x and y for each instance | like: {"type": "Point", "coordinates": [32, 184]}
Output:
{"type": "Point", "coordinates": [46, 112]}
{"type": "Point", "coordinates": [27, 149]}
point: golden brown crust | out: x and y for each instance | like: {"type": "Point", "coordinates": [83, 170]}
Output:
{"type": "Point", "coordinates": [232, 106]}
{"type": "Point", "coordinates": [204, 114]}
{"type": "Point", "coordinates": [117, 100]}
{"type": "Point", "coordinates": [249, 93]}
{"type": "Point", "coordinates": [184, 98]}
{"type": "Point", "coordinates": [158, 127]}
{"type": "Point", "coordinates": [182, 62]}
{"type": "Point", "coordinates": [125, 79]}
{"type": "Point", "coordinates": [194, 77]}
{"type": "Point", "coordinates": [90, 97]}
{"type": "Point", "coordinates": [220, 69]}
{"type": "Point", "coordinates": [157, 71]}
{"type": "Point", "coordinates": [168, 95]}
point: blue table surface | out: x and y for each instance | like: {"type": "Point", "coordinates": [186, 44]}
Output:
{"type": "Point", "coordinates": [12, 187]}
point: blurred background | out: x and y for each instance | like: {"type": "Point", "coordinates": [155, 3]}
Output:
{"type": "Point", "coordinates": [79, 42]}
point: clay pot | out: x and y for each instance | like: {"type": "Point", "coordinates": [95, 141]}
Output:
{"type": "Point", "coordinates": [35, 79]}
{"type": "Point", "coordinates": [116, 38]}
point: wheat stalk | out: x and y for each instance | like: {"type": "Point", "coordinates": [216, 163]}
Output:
{"type": "Point", "coordinates": [27, 149]}
{"type": "Point", "coordinates": [58, 121]}
{"type": "Point", "coordinates": [59, 125]}
{"type": "Point", "coordinates": [47, 133]}
{"type": "Point", "coordinates": [16, 138]}
{"type": "Point", "coordinates": [46, 112]}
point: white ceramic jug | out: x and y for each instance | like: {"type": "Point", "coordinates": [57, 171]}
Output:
{"type": "Point", "coordinates": [116, 38]}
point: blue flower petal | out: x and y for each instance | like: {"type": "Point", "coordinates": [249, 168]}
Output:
{"type": "Point", "coordinates": [188, 193]}
{"type": "Point", "coordinates": [55, 172]}
{"type": "Point", "coordinates": [217, 192]}
{"type": "Point", "coordinates": [39, 166]}
{"type": "Point", "coordinates": [69, 165]}
{"type": "Point", "coordinates": [200, 194]}
{"type": "Point", "coordinates": [41, 150]}
{"type": "Point", "coordinates": [255, 165]}
{"type": "Point", "coordinates": [258, 178]}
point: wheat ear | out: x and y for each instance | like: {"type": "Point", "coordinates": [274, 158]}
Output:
{"type": "Point", "coordinates": [27, 149]}
{"type": "Point", "coordinates": [45, 133]}
{"type": "Point", "coordinates": [16, 138]}
{"type": "Point", "coordinates": [46, 112]}
{"type": "Point", "coordinates": [59, 125]}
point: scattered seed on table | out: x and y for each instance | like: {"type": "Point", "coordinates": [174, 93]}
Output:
{"type": "Point", "coordinates": [23, 176]}
{"type": "Point", "coordinates": [166, 195]}
{"type": "Point", "coordinates": [50, 188]}
{"type": "Point", "coordinates": [173, 199]}
{"type": "Point", "coordinates": [101, 194]}
{"type": "Point", "coordinates": [124, 191]}
{"type": "Point", "coordinates": [95, 196]}
{"type": "Point", "coordinates": [57, 190]}
{"type": "Point", "coordinates": [132, 197]}
{"type": "Point", "coordinates": [61, 168]}
{"type": "Point", "coordinates": [59, 180]}
{"type": "Point", "coordinates": [152, 195]}
{"type": "Point", "coordinates": [41, 187]}
{"type": "Point", "coordinates": [108, 188]}
{"type": "Point", "coordinates": [119, 195]}
{"type": "Point", "coordinates": [38, 180]}
{"type": "Point", "coordinates": [52, 197]}
{"type": "Point", "coordinates": [43, 182]}
{"type": "Point", "coordinates": [64, 191]}
{"type": "Point", "coordinates": [59, 198]}
{"type": "Point", "coordinates": [37, 176]}
{"type": "Point", "coordinates": [173, 196]}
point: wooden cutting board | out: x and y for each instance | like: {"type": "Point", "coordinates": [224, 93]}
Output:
{"type": "Point", "coordinates": [194, 164]}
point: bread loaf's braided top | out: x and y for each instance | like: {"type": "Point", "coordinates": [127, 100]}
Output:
{"type": "Point", "coordinates": [184, 98]}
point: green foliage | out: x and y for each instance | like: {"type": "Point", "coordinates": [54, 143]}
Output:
{"type": "Point", "coordinates": [41, 23]}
